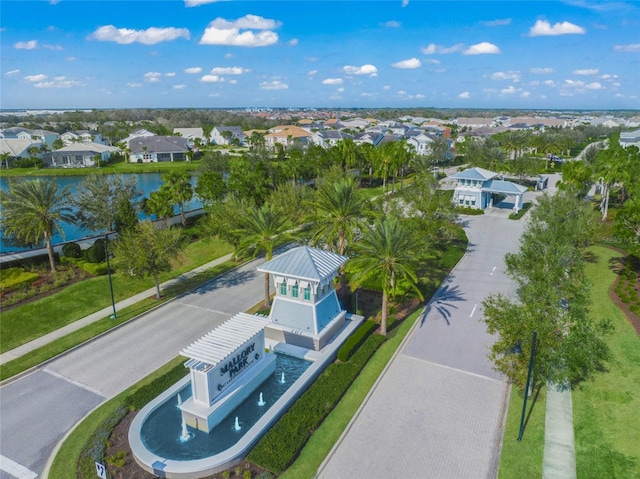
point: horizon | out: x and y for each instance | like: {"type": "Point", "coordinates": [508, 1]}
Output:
{"type": "Point", "coordinates": [492, 55]}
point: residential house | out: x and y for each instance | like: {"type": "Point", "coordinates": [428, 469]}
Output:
{"type": "Point", "coordinates": [78, 155]}
{"type": "Point", "coordinates": [287, 135]}
{"type": "Point", "coordinates": [142, 133]}
{"type": "Point", "coordinates": [633, 121]}
{"type": "Point", "coordinates": [328, 138]}
{"type": "Point", "coordinates": [227, 135]}
{"type": "Point", "coordinates": [81, 136]}
{"type": "Point", "coordinates": [157, 149]}
{"type": "Point", "coordinates": [191, 134]}
{"type": "Point", "coordinates": [15, 148]}
{"type": "Point", "coordinates": [373, 138]}
{"type": "Point", "coordinates": [473, 122]}
{"type": "Point", "coordinates": [421, 144]}
{"type": "Point", "coordinates": [630, 138]}
{"type": "Point", "coordinates": [356, 123]}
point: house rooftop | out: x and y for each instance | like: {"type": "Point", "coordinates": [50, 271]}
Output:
{"type": "Point", "coordinates": [474, 174]}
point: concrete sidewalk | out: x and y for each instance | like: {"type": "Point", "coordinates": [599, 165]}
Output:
{"type": "Point", "coordinates": [103, 313]}
{"type": "Point", "coordinates": [559, 450]}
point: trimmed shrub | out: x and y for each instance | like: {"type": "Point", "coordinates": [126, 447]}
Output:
{"type": "Point", "coordinates": [354, 341]}
{"type": "Point", "coordinates": [468, 211]}
{"type": "Point", "coordinates": [72, 250]}
{"type": "Point", "coordinates": [280, 446]}
{"type": "Point", "coordinates": [100, 252]}
{"type": "Point", "coordinates": [16, 278]}
{"type": "Point", "coordinates": [146, 393]}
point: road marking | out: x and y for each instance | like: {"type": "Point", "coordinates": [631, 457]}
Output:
{"type": "Point", "coordinates": [15, 469]}
{"type": "Point", "coordinates": [74, 382]}
{"type": "Point", "coordinates": [493, 271]}
{"type": "Point", "coordinates": [473, 310]}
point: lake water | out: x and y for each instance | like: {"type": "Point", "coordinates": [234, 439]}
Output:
{"type": "Point", "coordinates": [147, 182]}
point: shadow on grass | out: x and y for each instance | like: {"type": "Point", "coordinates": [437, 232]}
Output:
{"type": "Point", "coordinates": [533, 402]}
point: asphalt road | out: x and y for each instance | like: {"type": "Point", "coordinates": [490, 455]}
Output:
{"type": "Point", "coordinates": [37, 410]}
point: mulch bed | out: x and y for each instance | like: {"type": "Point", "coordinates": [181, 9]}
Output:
{"type": "Point", "coordinates": [633, 318]}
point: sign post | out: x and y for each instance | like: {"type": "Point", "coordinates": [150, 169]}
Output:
{"type": "Point", "coordinates": [101, 471]}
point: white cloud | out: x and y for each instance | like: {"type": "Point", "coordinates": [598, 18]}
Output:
{"type": "Point", "coordinates": [544, 28]}
{"type": "Point", "coordinates": [11, 73]}
{"type": "Point", "coordinates": [53, 47]}
{"type": "Point", "coordinates": [464, 94]}
{"type": "Point", "coordinates": [58, 82]}
{"type": "Point", "coordinates": [332, 81]}
{"type": "Point", "coordinates": [197, 3]}
{"type": "Point", "coordinates": [508, 91]}
{"type": "Point", "coordinates": [340, 90]}
{"type": "Point", "coordinates": [293, 42]}
{"type": "Point", "coordinates": [312, 73]}
{"type": "Point", "coordinates": [508, 75]}
{"type": "Point", "coordinates": [525, 94]}
{"type": "Point", "coordinates": [179, 87]}
{"type": "Point", "coordinates": [365, 94]}
{"type": "Point", "coordinates": [632, 47]}
{"type": "Point", "coordinates": [482, 48]}
{"type": "Point", "coordinates": [386, 87]}
{"type": "Point", "coordinates": [170, 74]}
{"type": "Point", "coordinates": [433, 48]}
{"type": "Point", "coordinates": [273, 85]}
{"type": "Point", "coordinates": [211, 79]}
{"type": "Point", "coordinates": [36, 78]}
{"type": "Point", "coordinates": [497, 23]}
{"type": "Point", "coordinates": [433, 61]}
{"type": "Point", "coordinates": [152, 77]}
{"type": "Point", "coordinates": [30, 45]}
{"type": "Point", "coordinates": [588, 71]}
{"type": "Point", "coordinates": [228, 55]}
{"type": "Point", "coordinates": [402, 92]}
{"type": "Point", "coordinates": [70, 59]}
{"type": "Point", "coordinates": [594, 86]}
{"type": "Point", "coordinates": [225, 32]}
{"type": "Point", "coordinates": [549, 83]}
{"type": "Point", "coordinates": [419, 96]}
{"type": "Point", "coordinates": [409, 64]}
{"type": "Point", "coordinates": [150, 36]}
{"type": "Point", "coordinates": [542, 71]}
{"type": "Point", "coordinates": [367, 69]}
{"type": "Point", "coordinates": [574, 83]}
{"type": "Point", "coordinates": [229, 71]}
{"type": "Point", "coordinates": [193, 70]}
{"type": "Point", "coordinates": [405, 3]}
{"type": "Point", "coordinates": [391, 24]}
{"type": "Point", "coordinates": [134, 85]}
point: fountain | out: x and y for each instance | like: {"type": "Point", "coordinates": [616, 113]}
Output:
{"type": "Point", "coordinates": [261, 401]}
{"type": "Point", "coordinates": [282, 379]}
{"type": "Point", "coordinates": [179, 400]}
{"type": "Point", "coordinates": [236, 426]}
{"type": "Point", "coordinates": [185, 436]}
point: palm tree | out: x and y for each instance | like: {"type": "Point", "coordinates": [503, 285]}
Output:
{"type": "Point", "coordinates": [386, 254]}
{"type": "Point", "coordinates": [159, 204]}
{"type": "Point", "coordinates": [32, 211]}
{"type": "Point", "coordinates": [262, 229]}
{"type": "Point", "coordinates": [178, 183]}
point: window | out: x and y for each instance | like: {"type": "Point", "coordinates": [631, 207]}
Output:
{"type": "Point", "coordinates": [461, 200]}
{"type": "Point", "coordinates": [307, 293]}
{"type": "Point", "coordinates": [473, 201]}
{"type": "Point", "coordinates": [283, 288]}
{"type": "Point", "coordinates": [294, 290]}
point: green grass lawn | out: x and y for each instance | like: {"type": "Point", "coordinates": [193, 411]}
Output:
{"type": "Point", "coordinates": [32, 320]}
{"type": "Point", "coordinates": [606, 409]}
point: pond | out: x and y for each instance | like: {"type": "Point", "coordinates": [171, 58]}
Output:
{"type": "Point", "coordinates": [147, 182]}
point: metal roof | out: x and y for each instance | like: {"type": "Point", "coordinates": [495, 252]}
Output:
{"type": "Point", "coordinates": [474, 174]}
{"type": "Point", "coordinates": [305, 263]}
{"type": "Point", "coordinates": [502, 186]}
{"type": "Point", "coordinates": [219, 343]}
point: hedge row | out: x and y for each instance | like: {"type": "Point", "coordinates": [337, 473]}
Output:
{"type": "Point", "coordinates": [146, 393]}
{"type": "Point", "coordinates": [97, 444]}
{"type": "Point", "coordinates": [94, 269]}
{"type": "Point", "coordinates": [15, 278]}
{"type": "Point", "coordinates": [282, 444]}
{"type": "Point", "coordinates": [354, 341]}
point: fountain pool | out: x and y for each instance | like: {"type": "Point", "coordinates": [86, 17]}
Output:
{"type": "Point", "coordinates": [163, 435]}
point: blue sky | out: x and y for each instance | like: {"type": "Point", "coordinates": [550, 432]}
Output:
{"type": "Point", "coordinates": [578, 54]}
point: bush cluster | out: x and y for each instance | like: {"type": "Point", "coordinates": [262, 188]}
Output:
{"type": "Point", "coordinates": [280, 446]}
{"type": "Point", "coordinates": [354, 341]}
{"type": "Point", "coordinates": [94, 269]}
{"type": "Point", "coordinates": [72, 250]}
{"type": "Point", "coordinates": [16, 278]}
{"type": "Point", "coordinates": [465, 210]}
{"type": "Point", "coordinates": [95, 448]}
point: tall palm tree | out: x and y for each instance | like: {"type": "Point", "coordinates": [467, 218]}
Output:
{"type": "Point", "coordinates": [178, 182]}
{"type": "Point", "coordinates": [262, 229]}
{"type": "Point", "coordinates": [32, 211]}
{"type": "Point", "coordinates": [159, 204]}
{"type": "Point", "coordinates": [386, 254]}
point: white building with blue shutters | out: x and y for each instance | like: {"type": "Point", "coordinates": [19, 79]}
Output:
{"type": "Point", "coordinates": [476, 187]}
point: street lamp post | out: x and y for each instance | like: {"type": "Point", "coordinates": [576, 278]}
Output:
{"type": "Point", "coordinates": [106, 253]}
{"type": "Point", "coordinates": [526, 391]}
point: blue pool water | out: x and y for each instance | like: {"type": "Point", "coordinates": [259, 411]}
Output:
{"type": "Point", "coordinates": [161, 431]}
